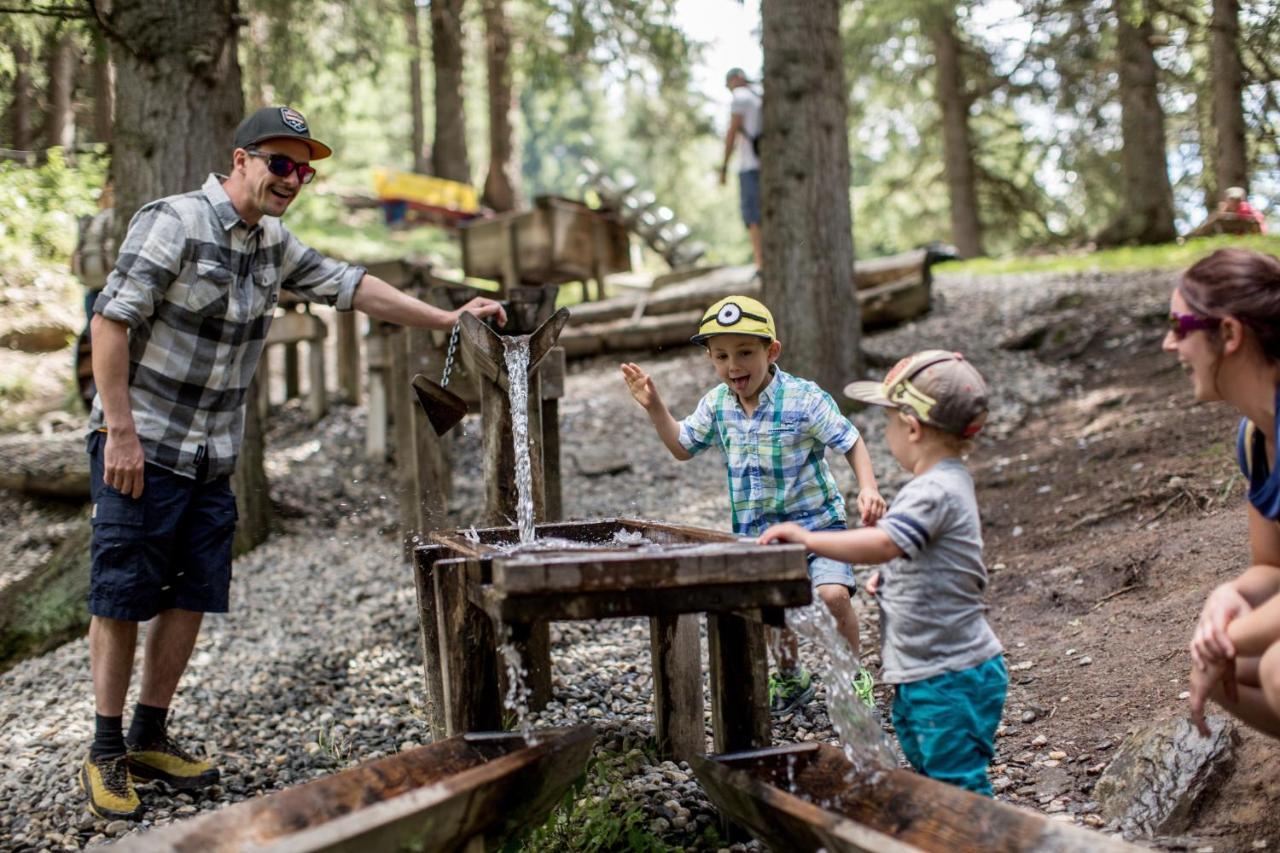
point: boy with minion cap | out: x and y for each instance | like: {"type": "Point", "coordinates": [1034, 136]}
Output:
{"type": "Point", "coordinates": [773, 430]}
{"type": "Point", "coordinates": [939, 652]}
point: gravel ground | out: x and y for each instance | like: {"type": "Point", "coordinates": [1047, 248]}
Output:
{"type": "Point", "coordinates": [317, 665]}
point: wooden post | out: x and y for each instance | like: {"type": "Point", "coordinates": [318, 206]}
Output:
{"type": "Point", "coordinates": [511, 260]}
{"type": "Point", "coordinates": [426, 458]}
{"type": "Point", "coordinates": [739, 682]}
{"type": "Point", "coordinates": [262, 386]}
{"type": "Point", "coordinates": [379, 404]}
{"type": "Point", "coordinates": [292, 377]}
{"type": "Point", "coordinates": [401, 394]}
{"type": "Point", "coordinates": [677, 686]}
{"type": "Point", "coordinates": [317, 394]}
{"type": "Point", "coordinates": [551, 374]}
{"type": "Point", "coordinates": [348, 358]}
{"type": "Point", "coordinates": [468, 655]}
{"type": "Point", "coordinates": [429, 635]}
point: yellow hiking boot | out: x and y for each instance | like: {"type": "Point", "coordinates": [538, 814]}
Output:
{"type": "Point", "coordinates": [110, 788]}
{"type": "Point", "coordinates": [167, 762]}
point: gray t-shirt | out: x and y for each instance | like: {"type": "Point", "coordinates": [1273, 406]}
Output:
{"type": "Point", "coordinates": [931, 602]}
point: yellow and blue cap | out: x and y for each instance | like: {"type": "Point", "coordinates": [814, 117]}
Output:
{"type": "Point", "coordinates": [736, 315]}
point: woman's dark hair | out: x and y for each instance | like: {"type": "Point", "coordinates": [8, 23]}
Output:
{"type": "Point", "coordinates": [1240, 283]}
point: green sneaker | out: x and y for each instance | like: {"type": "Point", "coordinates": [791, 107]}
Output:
{"type": "Point", "coordinates": [789, 692]}
{"type": "Point", "coordinates": [862, 685]}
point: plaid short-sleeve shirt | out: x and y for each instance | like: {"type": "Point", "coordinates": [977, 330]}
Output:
{"type": "Point", "coordinates": [197, 288]}
{"type": "Point", "coordinates": [777, 471]}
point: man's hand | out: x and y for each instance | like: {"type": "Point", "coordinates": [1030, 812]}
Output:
{"type": "Point", "coordinates": [1203, 679]}
{"type": "Point", "coordinates": [641, 386]}
{"type": "Point", "coordinates": [788, 532]}
{"type": "Point", "coordinates": [724, 175]}
{"type": "Point", "coordinates": [1210, 643]}
{"type": "Point", "coordinates": [871, 505]}
{"type": "Point", "coordinates": [123, 463]}
{"type": "Point", "coordinates": [482, 308]}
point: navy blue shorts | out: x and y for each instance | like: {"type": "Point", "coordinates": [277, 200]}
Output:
{"type": "Point", "coordinates": [170, 548]}
{"type": "Point", "coordinates": [749, 196]}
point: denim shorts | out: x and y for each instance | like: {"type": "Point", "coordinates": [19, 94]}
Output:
{"type": "Point", "coordinates": [170, 548]}
{"type": "Point", "coordinates": [749, 196]}
{"type": "Point", "coordinates": [947, 724]}
{"type": "Point", "coordinates": [824, 570]}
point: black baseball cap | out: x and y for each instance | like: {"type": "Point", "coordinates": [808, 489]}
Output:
{"type": "Point", "coordinates": [279, 123]}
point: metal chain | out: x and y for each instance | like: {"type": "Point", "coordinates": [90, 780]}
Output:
{"type": "Point", "coordinates": [448, 358]}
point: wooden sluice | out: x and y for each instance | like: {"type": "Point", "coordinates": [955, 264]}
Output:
{"type": "Point", "coordinates": [808, 797]}
{"type": "Point", "coordinates": [465, 793]}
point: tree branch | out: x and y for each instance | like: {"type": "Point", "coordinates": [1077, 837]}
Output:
{"type": "Point", "coordinates": [62, 12]}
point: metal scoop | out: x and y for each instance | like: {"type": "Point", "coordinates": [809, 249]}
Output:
{"type": "Point", "coordinates": [444, 409]}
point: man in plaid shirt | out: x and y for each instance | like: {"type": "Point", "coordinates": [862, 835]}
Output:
{"type": "Point", "coordinates": [773, 429]}
{"type": "Point", "coordinates": [177, 335]}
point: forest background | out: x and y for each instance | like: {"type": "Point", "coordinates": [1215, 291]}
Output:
{"type": "Point", "coordinates": [996, 125]}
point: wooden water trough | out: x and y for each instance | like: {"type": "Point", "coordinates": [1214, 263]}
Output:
{"type": "Point", "coordinates": [808, 797]}
{"type": "Point", "coordinates": [463, 793]}
{"type": "Point", "coordinates": [470, 584]}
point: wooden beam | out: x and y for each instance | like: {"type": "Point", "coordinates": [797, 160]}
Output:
{"type": "Point", "coordinates": [424, 586]}
{"type": "Point", "coordinates": [467, 652]}
{"type": "Point", "coordinates": [739, 682]}
{"type": "Point", "coordinates": [677, 686]}
{"type": "Point", "coordinates": [348, 358]}
{"type": "Point", "coordinates": [644, 602]}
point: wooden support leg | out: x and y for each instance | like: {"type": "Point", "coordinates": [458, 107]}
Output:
{"type": "Point", "coordinates": [429, 633]}
{"type": "Point", "coordinates": [533, 642]}
{"type": "Point", "coordinates": [348, 358]}
{"type": "Point", "coordinates": [291, 372]}
{"type": "Point", "coordinates": [554, 495]}
{"type": "Point", "coordinates": [677, 685]}
{"type": "Point", "coordinates": [739, 682]}
{"type": "Point", "coordinates": [468, 654]}
{"type": "Point", "coordinates": [317, 397]}
{"type": "Point", "coordinates": [376, 422]}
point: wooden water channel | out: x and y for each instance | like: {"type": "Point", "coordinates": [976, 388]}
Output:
{"type": "Point", "coordinates": [807, 797]}
{"type": "Point", "coordinates": [463, 793]}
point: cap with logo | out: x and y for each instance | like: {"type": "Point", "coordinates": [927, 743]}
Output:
{"type": "Point", "coordinates": [941, 388]}
{"type": "Point", "coordinates": [736, 315]}
{"type": "Point", "coordinates": [279, 123]}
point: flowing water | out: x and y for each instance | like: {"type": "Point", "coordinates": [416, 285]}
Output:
{"type": "Point", "coordinates": [517, 357]}
{"type": "Point", "coordinates": [861, 737]}
{"type": "Point", "coordinates": [516, 700]}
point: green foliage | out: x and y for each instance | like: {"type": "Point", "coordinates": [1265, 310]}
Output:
{"type": "Point", "coordinates": [40, 206]}
{"type": "Point", "coordinates": [1166, 256]}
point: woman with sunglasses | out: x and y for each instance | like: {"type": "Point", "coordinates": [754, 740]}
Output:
{"type": "Point", "coordinates": [1224, 327]}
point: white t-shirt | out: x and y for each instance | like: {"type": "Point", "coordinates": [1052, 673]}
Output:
{"type": "Point", "coordinates": [746, 103]}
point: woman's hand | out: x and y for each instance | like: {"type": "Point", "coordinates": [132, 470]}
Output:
{"type": "Point", "coordinates": [787, 532]}
{"type": "Point", "coordinates": [1210, 643]}
{"type": "Point", "coordinates": [871, 505]}
{"type": "Point", "coordinates": [1203, 679]}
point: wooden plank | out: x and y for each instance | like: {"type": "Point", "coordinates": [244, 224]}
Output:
{"type": "Point", "coordinates": [426, 454]}
{"type": "Point", "coordinates": [645, 602]}
{"type": "Point", "coordinates": [294, 327]}
{"type": "Point", "coordinates": [429, 636]}
{"type": "Point", "coordinates": [317, 393]}
{"type": "Point", "coordinates": [348, 358]}
{"type": "Point", "coordinates": [552, 484]}
{"type": "Point", "coordinates": [739, 682]}
{"type": "Point", "coordinates": [677, 686]}
{"type": "Point", "coordinates": [467, 653]}
{"type": "Point", "coordinates": [591, 571]}
{"type": "Point", "coordinates": [292, 372]}
{"type": "Point", "coordinates": [402, 406]}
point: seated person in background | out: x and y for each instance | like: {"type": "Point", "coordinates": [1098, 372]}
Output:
{"type": "Point", "coordinates": [1234, 202]}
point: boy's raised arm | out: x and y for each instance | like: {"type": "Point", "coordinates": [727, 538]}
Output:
{"type": "Point", "coordinates": [641, 386]}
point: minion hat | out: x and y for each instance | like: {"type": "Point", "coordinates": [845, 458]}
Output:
{"type": "Point", "coordinates": [736, 315]}
{"type": "Point", "coordinates": [941, 388]}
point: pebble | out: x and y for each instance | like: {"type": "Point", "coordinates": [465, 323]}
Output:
{"type": "Point", "coordinates": [1039, 740]}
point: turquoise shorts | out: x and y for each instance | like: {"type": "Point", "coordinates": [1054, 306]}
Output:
{"type": "Point", "coordinates": [947, 724]}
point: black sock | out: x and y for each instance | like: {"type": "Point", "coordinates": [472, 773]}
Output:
{"type": "Point", "coordinates": [108, 737]}
{"type": "Point", "coordinates": [147, 726]}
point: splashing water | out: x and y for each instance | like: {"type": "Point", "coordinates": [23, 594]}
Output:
{"type": "Point", "coordinates": [516, 699]}
{"type": "Point", "coordinates": [517, 357]}
{"type": "Point", "coordinates": [863, 741]}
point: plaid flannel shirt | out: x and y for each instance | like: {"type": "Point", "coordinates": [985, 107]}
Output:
{"type": "Point", "coordinates": [777, 471]}
{"type": "Point", "coordinates": [197, 287]}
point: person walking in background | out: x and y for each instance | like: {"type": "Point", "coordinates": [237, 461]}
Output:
{"type": "Point", "coordinates": [92, 260]}
{"type": "Point", "coordinates": [1224, 328]}
{"type": "Point", "coordinates": [177, 334]}
{"type": "Point", "coordinates": [743, 137]}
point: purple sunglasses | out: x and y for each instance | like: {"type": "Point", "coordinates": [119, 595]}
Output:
{"type": "Point", "coordinates": [1184, 324]}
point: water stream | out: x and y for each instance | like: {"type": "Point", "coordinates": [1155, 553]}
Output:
{"type": "Point", "coordinates": [861, 738]}
{"type": "Point", "coordinates": [517, 357]}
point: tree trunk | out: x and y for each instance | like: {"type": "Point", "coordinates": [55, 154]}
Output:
{"type": "Point", "coordinates": [412, 27]}
{"type": "Point", "coordinates": [1228, 83]}
{"type": "Point", "coordinates": [807, 224]}
{"type": "Point", "coordinates": [957, 143]}
{"type": "Point", "coordinates": [449, 152]}
{"type": "Point", "coordinates": [19, 117]}
{"type": "Point", "coordinates": [104, 90]}
{"type": "Point", "coordinates": [60, 120]}
{"type": "Point", "coordinates": [502, 184]}
{"type": "Point", "coordinates": [1146, 214]}
{"type": "Point", "coordinates": [178, 104]}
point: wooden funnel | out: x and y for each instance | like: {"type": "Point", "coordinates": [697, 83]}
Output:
{"type": "Point", "coordinates": [443, 797]}
{"type": "Point", "coordinates": [484, 352]}
{"type": "Point", "coordinates": [807, 797]}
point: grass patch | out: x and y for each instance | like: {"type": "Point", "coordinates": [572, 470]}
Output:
{"type": "Point", "coordinates": [1164, 256]}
